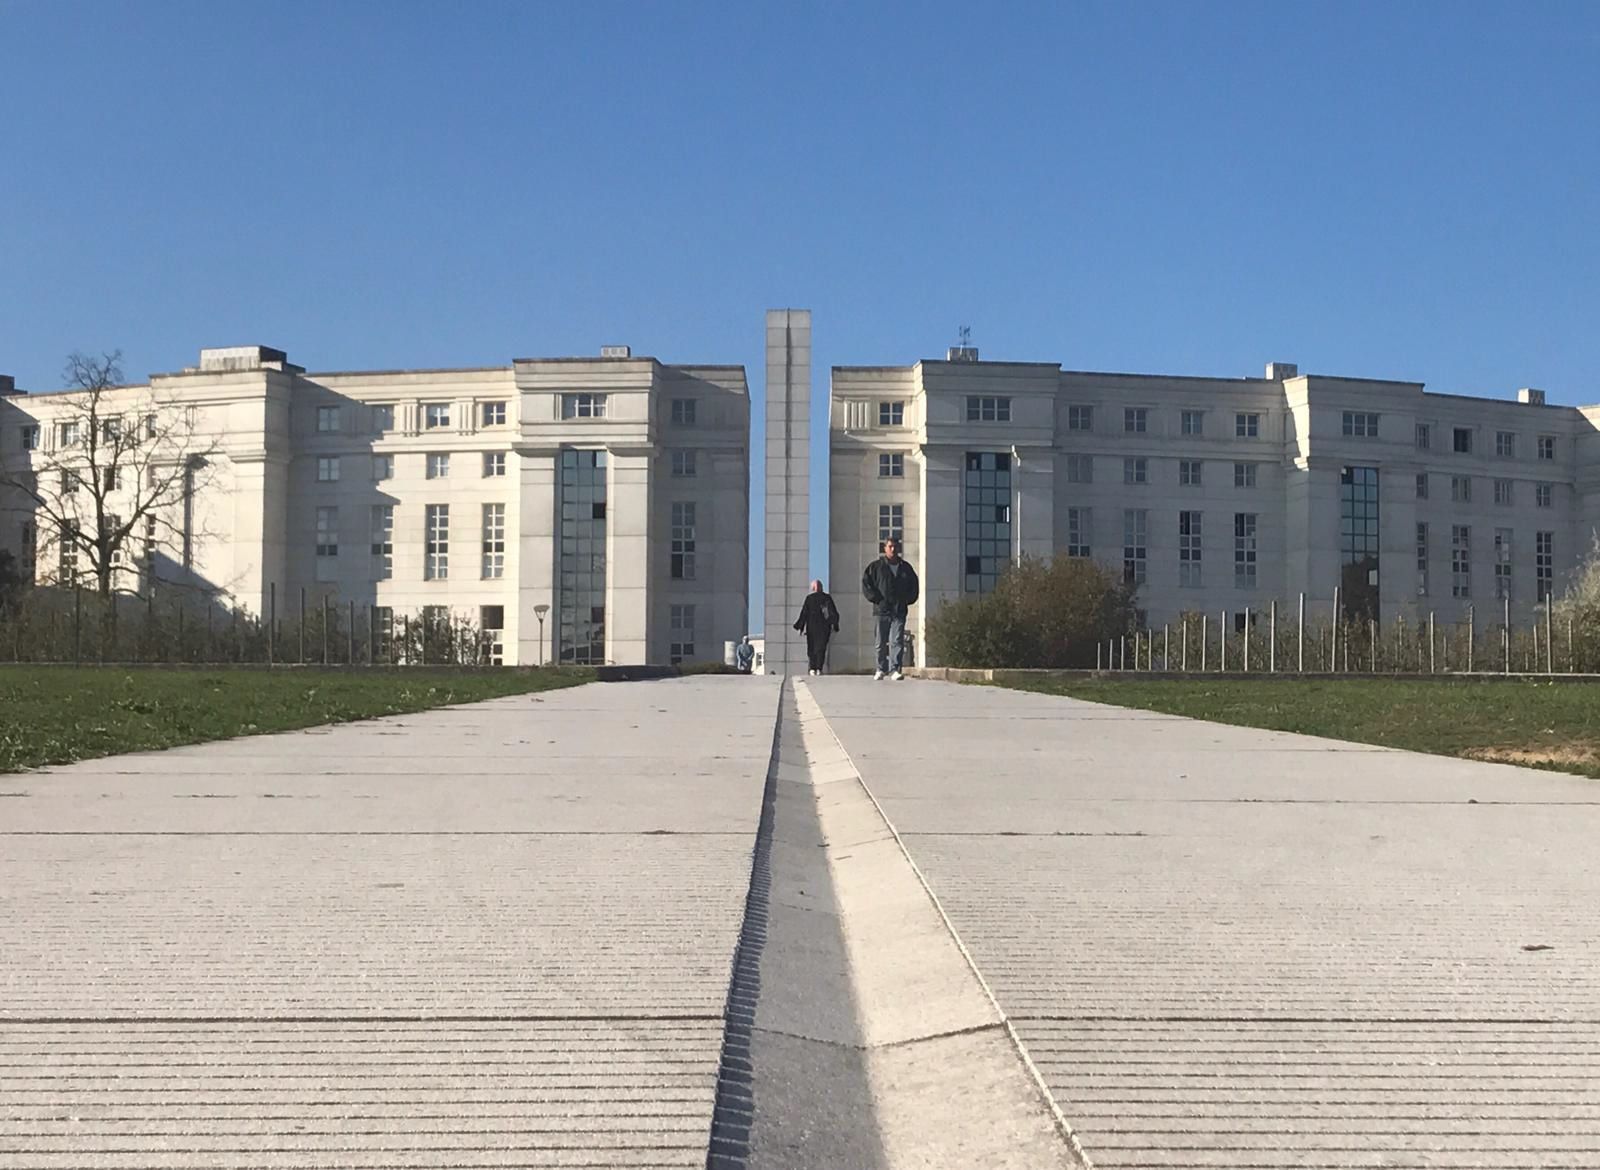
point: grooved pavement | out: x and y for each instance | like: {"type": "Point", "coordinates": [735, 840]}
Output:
{"type": "Point", "coordinates": [1226, 947]}
{"type": "Point", "coordinates": [496, 935]}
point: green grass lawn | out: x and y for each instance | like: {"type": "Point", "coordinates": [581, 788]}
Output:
{"type": "Point", "coordinates": [1541, 724]}
{"type": "Point", "coordinates": [57, 714]}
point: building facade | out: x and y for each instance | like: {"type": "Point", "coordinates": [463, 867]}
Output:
{"type": "Point", "coordinates": [606, 496]}
{"type": "Point", "coordinates": [1213, 495]}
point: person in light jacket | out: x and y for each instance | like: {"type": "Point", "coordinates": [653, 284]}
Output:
{"type": "Point", "coordinates": [890, 584]}
{"type": "Point", "coordinates": [818, 621]}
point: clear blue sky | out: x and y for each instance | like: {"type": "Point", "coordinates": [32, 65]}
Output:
{"type": "Point", "coordinates": [1383, 190]}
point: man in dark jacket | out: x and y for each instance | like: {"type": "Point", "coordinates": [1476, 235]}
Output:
{"type": "Point", "coordinates": [818, 621]}
{"type": "Point", "coordinates": [890, 584]}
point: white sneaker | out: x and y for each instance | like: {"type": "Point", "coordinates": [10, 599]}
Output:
{"type": "Point", "coordinates": [877, 675]}
{"type": "Point", "coordinates": [896, 676]}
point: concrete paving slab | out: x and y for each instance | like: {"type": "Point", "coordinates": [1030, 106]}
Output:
{"type": "Point", "coordinates": [1233, 948]}
{"type": "Point", "coordinates": [499, 935]}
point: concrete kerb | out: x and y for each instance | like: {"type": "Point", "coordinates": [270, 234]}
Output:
{"type": "Point", "coordinates": [959, 674]}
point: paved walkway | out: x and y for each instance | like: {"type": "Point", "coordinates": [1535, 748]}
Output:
{"type": "Point", "coordinates": [1240, 948]}
{"type": "Point", "coordinates": [689, 923]}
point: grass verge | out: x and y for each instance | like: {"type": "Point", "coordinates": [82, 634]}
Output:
{"type": "Point", "coordinates": [1536, 724]}
{"type": "Point", "coordinates": [58, 714]}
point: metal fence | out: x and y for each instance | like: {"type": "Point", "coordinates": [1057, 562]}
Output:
{"type": "Point", "coordinates": [1278, 640]}
{"type": "Point", "coordinates": [82, 626]}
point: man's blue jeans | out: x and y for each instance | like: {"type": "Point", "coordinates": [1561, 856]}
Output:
{"type": "Point", "coordinates": [891, 641]}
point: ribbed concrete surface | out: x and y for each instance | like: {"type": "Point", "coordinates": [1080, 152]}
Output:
{"type": "Point", "coordinates": [498, 935]}
{"type": "Point", "coordinates": [1230, 948]}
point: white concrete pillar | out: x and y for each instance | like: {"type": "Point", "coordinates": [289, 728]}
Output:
{"type": "Point", "coordinates": [788, 503]}
{"type": "Point", "coordinates": [538, 550]}
{"type": "Point", "coordinates": [630, 562]}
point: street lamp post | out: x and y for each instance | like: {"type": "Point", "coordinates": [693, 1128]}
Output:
{"type": "Point", "coordinates": [539, 611]}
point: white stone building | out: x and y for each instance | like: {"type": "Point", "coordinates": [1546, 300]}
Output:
{"type": "Point", "coordinates": [613, 490]}
{"type": "Point", "coordinates": [1218, 495]}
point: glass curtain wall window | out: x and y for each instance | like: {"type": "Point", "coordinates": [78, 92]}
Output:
{"type": "Point", "coordinates": [986, 545]}
{"type": "Point", "coordinates": [581, 625]}
{"type": "Point", "coordinates": [1358, 543]}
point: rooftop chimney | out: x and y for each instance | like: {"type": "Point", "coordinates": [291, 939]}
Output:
{"type": "Point", "coordinates": [616, 351]}
{"type": "Point", "coordinates": [1278, 371]}
{"type": "Point", "coordinates": [962, 353]}
{"type": "Point", "coordinates": [8, 384]}
{"type": "Point", "coordinates": [1530, 397]}
{"type": "Point", "coordinates": [243, 357]}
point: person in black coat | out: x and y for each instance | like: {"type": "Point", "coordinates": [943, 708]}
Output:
{"type": "Point", "coordinates": [818, 621]}
{"type": "Point", "coordinates": [891, 585]}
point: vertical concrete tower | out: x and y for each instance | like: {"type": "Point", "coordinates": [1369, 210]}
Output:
{"type": "Point", "coordinates": [788, 514]}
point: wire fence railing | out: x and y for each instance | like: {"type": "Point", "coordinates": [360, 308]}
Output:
{"type": "Point", "coordinates": [80, 626]}
{"type": "Point", "coordinates": [1273, 641]}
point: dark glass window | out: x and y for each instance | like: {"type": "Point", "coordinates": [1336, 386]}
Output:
{"type": "Point", "coordinates": [987, 501]}
{"type": "Point", "coordinates": [1358, 542]}
{"type": "Point", "coordinates": [582, 626]}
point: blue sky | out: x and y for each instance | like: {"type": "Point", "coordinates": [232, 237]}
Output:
{"type": "Point", "coordinates": [1381, 190]}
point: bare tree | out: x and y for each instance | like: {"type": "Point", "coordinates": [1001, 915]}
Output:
{"type": "Point", "coordinates": [123, 464]}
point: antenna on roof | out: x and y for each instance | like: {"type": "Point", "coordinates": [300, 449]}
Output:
{"type": "Point", "coordinates": [965, 351]}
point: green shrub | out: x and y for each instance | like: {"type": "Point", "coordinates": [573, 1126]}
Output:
{"type": "Point", "coordinates": [1048, 614]}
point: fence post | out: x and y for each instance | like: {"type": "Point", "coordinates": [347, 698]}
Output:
{"type": "Point", "coordinates": [1183, 650]}
{"type": "Point", "coordinates": [272, 622]}
{"type": "Point", "coordinates": [1472, 636]}
{"type": "Point", "coordinates": [1300, 634]}
{"type": "Point", "coordinates": [325, 616]}
{"type": "Point", "coordinates": [1372, 630]}
{"type": "Point", "coordinates": [1166, 647]}
{"type": "Point", "coordinates": [1122, 652]}
{"type": "Point", "coordinates": [1099, 653]}
{"type": "Point", "coordinates": [1272, 637]}
{"type": "Point", "coordinates": [1505, 630]}
{"type": "Point", "coordinates": [1245, 658]}
{"type": "Point", "coordinates": [1572, 666]}
{"type": "Point", "coordinates": [1549, 641]}
{"type": "Point", "coordinates": [1433, 662]}
{"type": "Point", "coordinates": [302, 625]}
{"type": "Point", "coordinates": [1204, 640]}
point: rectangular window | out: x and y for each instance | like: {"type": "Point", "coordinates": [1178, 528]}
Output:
{"type": "Point", "coordinates": [492, 414]}
{"type": "Point", "coordinates": [67, 568]}
{"type": "Point", "coordinates": [1135, 420]}
{"type": "Point", "coordinates": [1136, 470]}
{"type": "Point", "coordinates": [986, 498]}
{"type": "Point", "coordinates": [1544, 495]}
{"type": "Point", "coordinates": [327, 533]}
{"type": "Point", "coordinates": [1505, 444]}
{"type": "Point", "coordinates": [436, 549]}
{"type": "Point", "coordinates": [438, 466]}
{"type": "Point", "coordinates": [382, 525]}
{"type": "Point", "coordinates": [1244, 550]}
{"type": "Point", "coordinates": [1080, 418]}
{"type": "Point", "coordinates": [680, 619]}
{"type": "Point", "coordinates": [68, 434]}
{"type": "Point", "coordinates": [1080, 468]}
{"type": "Point", "coordinates": [1461, 440]}
{"type": "Point", "coordinates": [1189, 472]}
{"type": "Point", "coordinates": [1422, 485]}
{"type": "Point", "coordinates": [683, 412]}
{"type": "Point", "coordinates": [1461, 489]}
{"type": "Point", "coordinates": [1358, 543]}
{"type": "Point", "coordinates": [110, 430]}
{"type": "Point", "coordinates": [683, 465]}
{"type": "Point", "coordinates": [435, 415]}
{"type": "Point", "coordinates": [1247, 425]}
{"type": "Point", "coordinates": [683, 541]}
{"type": "Point", "coordinates": [112, 479]}
{"type": "Point", "coordinates": [383, 417]}
{"type": "Point", "coordinates": [891, 466]}
{"type": "Point", "coordinates": [492, 626]}
{"type": "Point", "coordinates": [1135, 545]}
{"type": "Point", "coordinates": [327, 419]}
{"type": "Point", "coordinates": [1544, 564]}
{"type": "Point", "coordinates": [1460, 560]}
{"type": "Point", "coordinates": [891, 414]}
{"type": "Point", "coordinates": [29, 560]}
{"type": "Point", "coordinates": [1547, 446]}
{"type": "Point", "coordinates": [891, 522]}
{"type": "Point", "coordinates": [494, 541]}
{"type": "Point", "coordinates": [494, 464]}
{"type": "Point", "coordinates": [1422, 560]}
{"type": "Point", "coordinates": [30, 437]}
{"type": "Point", "coordinates": [1360, 424]}
{"type": "Point", "coordinates": [1193, 422]}
{"type": "Point", "coordinates": [1079, 536]}
{"type": "Point", "coordinates": [382, 467]}
{"type": "Point", "coordinates": [1424, 436]}
{"type": "Point", "coordinates": [1502, 564]}
{"type": "Point", "coordinates": [1244, 475]}
{"type": "Point", "coordinates": [987, 409]}
{"type": "Point", "coordinates": [583, 406]}
{"type": "Point", "coordinates": [1502, 491]}
{"type": "Point", "coordinates": [70, 482]}
{"type": "Point", "coordinates": [327, 469]}
{"type": "Point", "coordinates": [1189, 549]}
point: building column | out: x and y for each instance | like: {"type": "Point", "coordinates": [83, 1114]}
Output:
{"type": "Point", "coordinates": [788, 504]}
{"type": "Point", "coordinates": [538, 547]}
{"type": "Point", "coordinates": [631, 560]}
{"type": "Point", "coordinates": [942, 524]}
